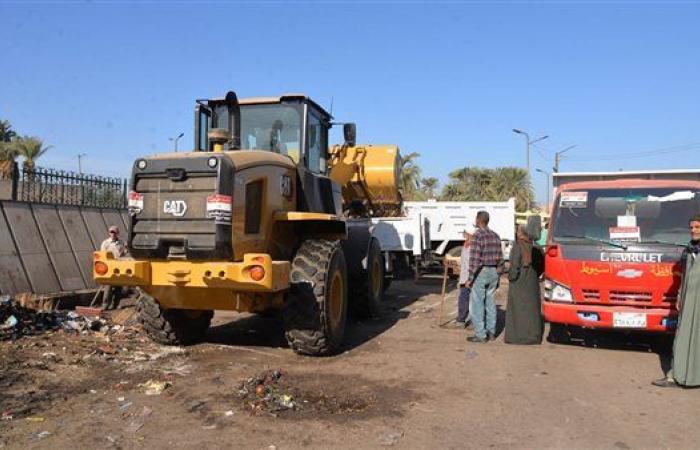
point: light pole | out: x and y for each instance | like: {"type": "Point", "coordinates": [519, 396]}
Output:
{"type": "Point", "coordinates": [80, 162]}
{"type": "Point", "coordinates": [557, 157]}
{"type": "Point", "coordinates": [528, 143]}
{"type": "Point", "coordinates": [175, 139]}
{"type": "Point", "coordinates": [546, 174]}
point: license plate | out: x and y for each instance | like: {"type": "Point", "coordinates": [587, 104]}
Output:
{"type": "Point", "coordinates": [629, 320]}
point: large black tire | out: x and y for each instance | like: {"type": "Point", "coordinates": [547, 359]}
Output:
{"type": "Point", "coordinates": [316, 305]}
{"type": "Point", "coordinates": [172, 326]}
{"type": "Point", "coordinates": [368, 284]}
{"type": "Point", "coordinates": [559, 334]}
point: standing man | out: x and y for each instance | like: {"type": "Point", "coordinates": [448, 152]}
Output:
{"type": "Point", "coordinates": [113, 244]}
{"type": "Point", "coordinates": [111, 295]}
{"type": "Point", "coordinates": [464, 289]}
{"type": "Point", "coordinates": [485, 256]}
{"type": "Point", "coordinates": [685, 368]}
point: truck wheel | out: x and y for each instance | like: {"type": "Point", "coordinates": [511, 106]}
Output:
{"type": "Point", "coordinates": [316, 305]}
{"type": "Point", "coordinates": [172, 326]}
{"type": "Point", "coordinates": [559, 334]}
{"type": "Point", "coordinates": [369, 290]}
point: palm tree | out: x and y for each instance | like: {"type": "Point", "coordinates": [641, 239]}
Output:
{"type": "Point", "coordinates": [429, 186]}
{"type": "Point", "coordinates": [500, 184]}
{"type": "Point", "coordinates": [6, 131]}
{"type": "Point", "coordinates": [30, 148]}
{"type": "Point", "coordinates": [513, 182]}
{"type": "Point", "coordinates": [410, 175]}
{"type": "Point", "coordinates": [7, 151]}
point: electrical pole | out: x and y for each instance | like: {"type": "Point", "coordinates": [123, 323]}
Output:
{"type": "Point", "coordinates": [175, 139]}
{"type": "Point", "coordinates": [557, 157]}
{"type": "Point", "coordinates": [80, 164]}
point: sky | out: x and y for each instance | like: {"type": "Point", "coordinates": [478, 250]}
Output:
{"type": "Point", "coordinates": [449, 80]}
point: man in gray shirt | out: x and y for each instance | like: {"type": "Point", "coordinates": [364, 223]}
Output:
{"type": "Point", "coordinates": [464, 289]}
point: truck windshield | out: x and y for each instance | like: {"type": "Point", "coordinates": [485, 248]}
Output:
{"type": "Point", "coordinates": [622, 216]}
{"type": "Point", "coordinates": [273, 128]}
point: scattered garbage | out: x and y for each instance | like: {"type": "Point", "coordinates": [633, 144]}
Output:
{"type": "Point", "coordinates": [152, 387]}
{"type": "Point", "coordinates": [34, 419]}
{"type": "Point", "coordinates": [389, 439]}
{"type": "Point", "coordinates": [7, 415]}
{"type": "Point", "coordinates": [263, 393]}
{"type": "Point", "coordinates": [43, 434]}
{"type": "Point", "coordinates": [17, 321]}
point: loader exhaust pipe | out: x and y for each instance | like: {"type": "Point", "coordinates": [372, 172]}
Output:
{"type": "Point", "coordinates": [232, 133]}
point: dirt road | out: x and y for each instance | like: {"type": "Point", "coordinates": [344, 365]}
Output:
{"type": "Point", "coordinates": [402, 382]}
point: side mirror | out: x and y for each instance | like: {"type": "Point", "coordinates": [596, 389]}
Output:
{"type": "Point", "coordinates": [350, 133]}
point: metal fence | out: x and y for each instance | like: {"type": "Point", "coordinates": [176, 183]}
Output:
{"type": "Point", "coordinates": [59, 187]}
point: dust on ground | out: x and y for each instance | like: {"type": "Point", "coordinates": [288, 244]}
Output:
{"type": "Point", "coordinates": [401, 381]}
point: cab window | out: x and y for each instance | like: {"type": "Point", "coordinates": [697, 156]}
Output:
{"type": "Point", "coordinates": [317, 142]}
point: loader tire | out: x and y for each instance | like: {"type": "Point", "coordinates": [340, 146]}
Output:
{"type": "Point", "coordinates": [368, 285]}
{"type": "Point", "coordinates": [172, 326]}
{"type": "Point", "coordinates": [316, 305]}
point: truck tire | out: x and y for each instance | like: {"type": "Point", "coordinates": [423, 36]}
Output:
{"type": "Point", "coordinates": [316, 306]}
{"type": "Point", "coordinates": [172, 326]}
{"type": "Point", "coordinates": [559, 334]}
{"type": "Point", "coordinates": [368, 284]}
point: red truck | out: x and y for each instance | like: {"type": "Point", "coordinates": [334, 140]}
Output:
{"type": "Point", "coordinates": [615, 240]}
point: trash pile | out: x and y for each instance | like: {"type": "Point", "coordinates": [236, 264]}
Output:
{"type": "Point", "coordinates": [266, 393]}
{"type": "Point", "coordinates": [17, 321]}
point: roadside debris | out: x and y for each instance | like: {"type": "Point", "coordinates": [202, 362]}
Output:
{"type": "Point", "coordinates": [152, 387]}
{"type": "Point", "coordinates": [274, 392]}
{"type": "Point", "coordinates": [17, 321]}
{"type": "Point", "coordinates": [264, 393]}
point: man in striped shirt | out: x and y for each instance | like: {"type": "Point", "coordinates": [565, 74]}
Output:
{"type": "Point", "coordinates": [485, 256]}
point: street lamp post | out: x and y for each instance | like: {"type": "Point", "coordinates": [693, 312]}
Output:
{"type": "Point", "coordinates": [557, 157]}
{"type": "Point", "coordinates": [528, 143]}
{"type": "Point", "coordinates": [80, 162]}
{"type": "Point", "coordinates": [175, 139]}
{"type": "Point", "coordinates": [546, 174]}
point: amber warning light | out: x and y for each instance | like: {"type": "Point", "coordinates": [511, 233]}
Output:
{"type": "Point", "coordinates": [100, 268]}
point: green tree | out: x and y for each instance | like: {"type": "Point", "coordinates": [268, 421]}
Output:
{"type": "Point", "coordinates": [6, 131]}
{"type": "Point", "coordinates": [482, 184]}
{"type": "Point", "coordinates": [7, 150]}
{"type": "Point", "coordinates": [510, 182]}
{"type": "Point", "coordinates": [410, 176]}
{"type": "Point", "coordinates": [30, 148]}
{"type": "Point", "coordinates": [429, 186]}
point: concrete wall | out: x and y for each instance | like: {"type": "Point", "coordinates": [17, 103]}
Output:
{"type": "Point", "coordinates": [47, 249]}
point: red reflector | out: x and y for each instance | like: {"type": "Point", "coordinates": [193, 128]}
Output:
{"type": "Point", "coordinates": [220, 198]}
{"type": "Point", "coordinates": [553, 251]}
{"type": "Point", "coordinates": [135, 200]}
{"type": "Point", "coordinates": [101, 268]}
{"type": "Point", "coordinates": [257, 273]}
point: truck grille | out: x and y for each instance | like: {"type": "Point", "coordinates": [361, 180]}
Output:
{"type": "Point", "coordinates": [173, 220]}
{"type": "Point", "coordinates": [630, 296]}
{"type": "Point", "coordinates": [591, 295]}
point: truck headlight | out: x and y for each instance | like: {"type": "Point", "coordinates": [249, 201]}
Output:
{"type": "Point", "coordinates": [561, 294]}
{"type": "Point", "coordinates": [556, 292]}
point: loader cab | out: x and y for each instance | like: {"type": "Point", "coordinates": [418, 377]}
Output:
{"type": "Point", "coordinates": [291, 125]}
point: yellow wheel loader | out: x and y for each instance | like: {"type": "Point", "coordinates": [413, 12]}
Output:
{"type": "Point", "coordinates": [261, 215]}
